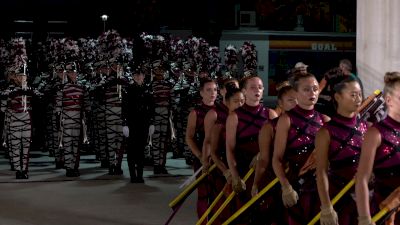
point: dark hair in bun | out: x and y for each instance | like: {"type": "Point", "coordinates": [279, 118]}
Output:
{"type": "Point", "coordinates": [229, 81]}
{"type": "Point", "coordinates": [204, 81]}
{"type": "Point", "coordinates": [231, 90]}
{"type": "Point", "coordinates": [391, 79]}
{"type": "Point", "coordinates": [294, 80]}
{"type": "Point", "coordinates": [244, 80]}
{"type": "Point", "coordinates": [283, 88]}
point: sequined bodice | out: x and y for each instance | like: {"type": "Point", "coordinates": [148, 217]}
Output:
{"type": "Point", "coordinates": [387, 158]}
{"type": "Point", "coordinates": [304, 125]}
{"type": "Point", "coordinates": [346, 136]}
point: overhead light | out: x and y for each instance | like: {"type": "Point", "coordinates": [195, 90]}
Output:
{"type": "Point", "coordinates": [57, 21]}
{"type": "Point", "coordinates": [23, 21]}
{"type": "Point", "coordinates": [104, 17]}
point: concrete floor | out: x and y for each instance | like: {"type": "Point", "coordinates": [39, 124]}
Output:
{"type": "Point", "coordinates": [95, 198]}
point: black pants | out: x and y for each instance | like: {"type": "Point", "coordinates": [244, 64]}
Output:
{"type": "Point", "coordinates": [137, 141]}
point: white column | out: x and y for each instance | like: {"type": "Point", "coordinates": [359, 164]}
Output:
{"type": "Point", "coordinates": [378, 41]}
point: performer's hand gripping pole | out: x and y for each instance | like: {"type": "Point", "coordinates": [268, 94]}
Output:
{"type": "Point", "coordinates": [229, 199]}
{"type": "Point", "coordinates": [334, 200]}
{"type": "Point", "coordinates": [253, 200]}
{"type": "Point", "coordinates": [390, 204]}
{"type": "Point", "coordinates": [190, 188]}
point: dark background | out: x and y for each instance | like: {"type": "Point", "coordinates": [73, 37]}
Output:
{"type": "Point", "coordinates": [205, 18]}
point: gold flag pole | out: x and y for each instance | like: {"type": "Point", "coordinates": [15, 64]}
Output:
{"type": "Point", "coordinates": [213, 204]}
{"type": "Point", "coordinates": [253, 200]}
{"type": "Point", "coordinates": [229, 199]}
{"type": "Point", "coordinates": [334, 200]}
{"type": "Point", "coordinates": [189, 189]}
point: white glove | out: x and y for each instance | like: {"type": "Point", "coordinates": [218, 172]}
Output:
{"type": "Point", "coordinates": [289, 196]}
{"type": "Point", "coordinates": [328, 216]}
{"type": "Point", "coordinates": [254, 161]}
{"type": "Point", "coordinates": [125, 131]}
{"type": "Point", "coordinates": [228, 176]}
{"type": "Point", "coordinates": [238, 185]}
{"type": "Point", "coordinates": [254, 190]}
{"type": "Point", "coordinates": [205, 163]}
{"type": "Point", "coordinates": [365, 220]}
{"type": "Point", "coordinates": [151, 130]}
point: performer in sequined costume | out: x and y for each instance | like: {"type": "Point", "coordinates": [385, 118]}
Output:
{"type": "Point", "coordinates": [380, 155]}
{"type": "Point", "coordinates": [214, 141]}
{"type": "Point", "coordinates": [270, 208]}
{"type": "Point", "coordinates": [294, 142]}
{"type": "Point", "coordinates": [242, 129]}
{"type": "Point", "coordinates": [338, 145]}
{"type": "Point", "coordinates": [195, 136]}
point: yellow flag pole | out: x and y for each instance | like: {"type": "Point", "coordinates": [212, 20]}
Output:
{"type": "Point", "coordinates": [189, 189]}
{"type": "Point", "coordinates": [229, 199]}
{"type": "Point", "coordinates": [390, 203]}
{"type": "Point", "coordinates": [334, 200]}
{"type": "Point", "coordinates": [213, 204]}
{"type": "Point", "coordinates": [253, 200]}
{"type": "Point", "coordinates": [380, 214]}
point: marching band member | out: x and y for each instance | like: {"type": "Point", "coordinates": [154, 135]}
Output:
{"type": "Point", "coordinates": [72, 103]}
{"type": "Point", "coordinates": [137, 110]}
{"type": "Point", "coordinates": [160, 127]}
{"type": "Point", "coordinates": [17, 106]}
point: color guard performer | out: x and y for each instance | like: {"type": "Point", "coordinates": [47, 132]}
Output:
{"type": "Point", "coordinates": [195, 136]}
{"type": "Point", "coordinates": [294, 142]}
{"type": "Point", "coordinates": [380, 155]}
{"type": "Point", "coordinates": [338, 147]}
{"type": "Point", "coordinates": [242, 130]}
{"type": "Point", "coordinates": [271, 210]}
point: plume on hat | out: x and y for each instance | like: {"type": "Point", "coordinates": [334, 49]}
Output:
{"type": "Point", "coordinates": [249, 56]}
{"type": "Point", "coordinates": [70, 50]}
{"type": "Point", "coordinates": [231, 56]}
{"type": "Point", "coordinates": [18, 58]}
{"type": "Point", "coordinates": [231, 60]}
{"type": "Point", "coordinates": [177, 50]}
{"type": "Point", "coordinates": [88, 50]}
{"type": "Point", "coordinates": [110, 46]}
{"type": "Point", "coordinates": [147, 45]}
{"type": "Point", "coordinates": [201, 56]}
{"type": "Point", "coordinates": [214, 60]}
{"type": "Point", "coordinates": [4, 52]}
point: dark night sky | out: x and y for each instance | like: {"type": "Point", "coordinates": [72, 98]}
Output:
{"type": "Point", "coordinates": [126, 16]}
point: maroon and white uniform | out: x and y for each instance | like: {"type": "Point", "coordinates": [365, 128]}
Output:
{"type": "Point", "coordinates": [71, 102]}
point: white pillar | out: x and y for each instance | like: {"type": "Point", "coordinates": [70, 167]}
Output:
{"type": "Point", "coordinates": [378, 41]}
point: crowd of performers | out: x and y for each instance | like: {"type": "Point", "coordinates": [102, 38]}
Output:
{"type": "Point", "coordinates": [98, 93]}
{"type": "Point", "coordinates": [107, 96]}
{"type": "Point", "coordinates": [314, 156]}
